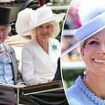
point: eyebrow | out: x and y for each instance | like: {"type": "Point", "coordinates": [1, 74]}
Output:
{"type": "Point", "coordinates": [93, 37]}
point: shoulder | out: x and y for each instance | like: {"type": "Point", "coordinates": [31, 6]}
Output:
{"type": "Point", "coordinates": [27, 46]}
{"type": "Point", "coordinates": [76, 96]}
{"type": "Point", "coordinates": [10, 49]}
{"type": "Point", "coordinates": [73, 93]}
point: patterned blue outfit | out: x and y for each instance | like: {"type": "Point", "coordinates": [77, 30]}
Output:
{"type": "Point", "coordinates": [79, 94]}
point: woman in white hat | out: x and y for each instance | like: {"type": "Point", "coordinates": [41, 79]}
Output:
{"type": "Point", "coordinates": [90, 88]}
{"type": "Point", "coordinates": [40, 55]}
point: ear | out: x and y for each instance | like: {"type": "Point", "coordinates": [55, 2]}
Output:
{"type": "Point", "coordinates": [9, 29]}
{"type": "Point", "coordinates": [82, 51]}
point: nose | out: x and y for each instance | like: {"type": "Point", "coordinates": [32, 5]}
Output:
{"type": "Point", "coordinates": [103, 48]}
{"type": "Point", "coordinates": [45, 29]}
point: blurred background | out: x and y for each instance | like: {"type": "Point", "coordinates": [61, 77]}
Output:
{"type": "Point", "coordinates": [71, 63]}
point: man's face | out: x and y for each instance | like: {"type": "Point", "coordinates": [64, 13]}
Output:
{"type": "Point", "coordinates": [4, 31]}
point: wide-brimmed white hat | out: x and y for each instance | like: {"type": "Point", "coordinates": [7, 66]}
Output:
{"type": "Point", "coordinates": [92, 17]}
{"type": "Point", "coordinates": [29, 19]}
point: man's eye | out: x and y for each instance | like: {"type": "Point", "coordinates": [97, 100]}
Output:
{"type": "Point", "coordinates": [40, 26]}
{"type": "Point", "coordinates": [93, 42]}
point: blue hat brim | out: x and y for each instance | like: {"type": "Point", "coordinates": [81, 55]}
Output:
{"type": "Point", "coordinates": [88, 30]}
{"type": "Point", "coordinates": [91, 28]}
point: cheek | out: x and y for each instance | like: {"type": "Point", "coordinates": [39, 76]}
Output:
{"type": "Point", "coordinates": [38, 32]}
{"type": "Point", "coordinates": [86, 58]}
{"type": "Point", "coordinates": [86, 53]}
{"type": "Point", "coordinates": [51, 30]}
{"type": "Point", "coordinates": [4, 37]}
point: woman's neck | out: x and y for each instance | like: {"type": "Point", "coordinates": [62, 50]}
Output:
{"type": "Point", "coordinates": [96, 84]}
{"type": "Point", "coordinates": [43, 43]}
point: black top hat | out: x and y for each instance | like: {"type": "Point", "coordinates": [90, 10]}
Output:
{"type": "Point", "coordinates": [4, 15]}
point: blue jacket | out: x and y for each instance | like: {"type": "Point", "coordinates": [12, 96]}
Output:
{"type": "Point", "coordinates": [79, 94]}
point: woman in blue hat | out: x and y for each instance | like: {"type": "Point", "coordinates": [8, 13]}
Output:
{"type": "Point", "coordinates": [90, 89]}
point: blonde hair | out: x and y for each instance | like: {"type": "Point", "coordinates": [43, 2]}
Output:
{"type": "Point", "coordinates": [55, 32]}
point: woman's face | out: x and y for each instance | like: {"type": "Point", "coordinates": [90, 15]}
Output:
{"type": "Point", "coordinates": [93, 53]}
{"type": "Point", "coordinates": [44, 31]}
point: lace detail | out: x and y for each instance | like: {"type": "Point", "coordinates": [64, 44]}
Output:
{"type": "Point", "coordinates": [96, 100]}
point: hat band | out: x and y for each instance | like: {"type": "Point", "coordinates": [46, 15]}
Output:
{"type": "Point", "coordinates": [93, 26]}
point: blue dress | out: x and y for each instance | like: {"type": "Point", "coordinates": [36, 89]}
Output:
{"type": "Point", "coordinates": [79, 94]}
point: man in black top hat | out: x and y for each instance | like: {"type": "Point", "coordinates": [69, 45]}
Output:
{"type": "Point", "coordinates": [9, 73]}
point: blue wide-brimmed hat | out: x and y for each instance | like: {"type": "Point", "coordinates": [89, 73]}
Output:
{"type": "Point", "coordinates": [92, 17]}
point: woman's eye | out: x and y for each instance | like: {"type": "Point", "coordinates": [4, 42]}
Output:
{"type": "Point", "coordinates": [93, 42]}
{"type": "Point", "coordinates": [48, 26]}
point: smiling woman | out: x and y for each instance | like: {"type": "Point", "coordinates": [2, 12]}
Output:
{"type": "Point", "coordinates": [89, 89]}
